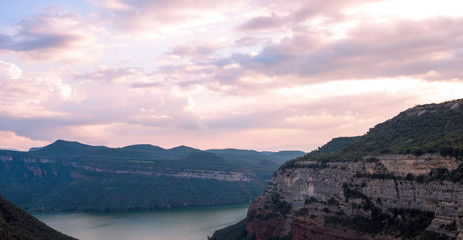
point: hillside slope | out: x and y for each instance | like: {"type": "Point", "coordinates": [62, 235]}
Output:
{"type": "Point", "coordinates": [15, 223]}
{"type": "Point", "coordinates": [403, 179]}
{"type": "Point", "coordinates": [430, 128]}
{"type": "Point", "coordinates": [335, 145]}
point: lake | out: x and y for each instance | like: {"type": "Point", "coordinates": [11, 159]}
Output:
{"type": "Point", "coordinates": [182, 224]}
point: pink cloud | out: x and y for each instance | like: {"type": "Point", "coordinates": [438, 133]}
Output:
{"type": "Point", "coordinates": [229, 73]}
{"type": "Point", "coordinates": [9, 71]}
{"type": "Point", "coordinates": [114, 74]}
{"type": "Point", "coordinates": [161, 17]}
{"type": "Point", "coordinates": [282, 14]}
{"type": "Point", "coordinates": [263, 22]}
{"type": "Point", "coordinates": [400, 47]}
{"type": "Point", "coordinates": [196, 51]}
{"type": "Point", "coordinates": [48, 37]}
{"type": "Point", "coordinates": [12, 141]}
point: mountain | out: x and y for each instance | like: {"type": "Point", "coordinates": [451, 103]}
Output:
{"type": "Point", "coordinates": [8, 149]}
{"type": "Point", "coordinates": [431, 128]}
{"type": "Point", "coordinates": [71, 176]}
{"type": "Point", "coordinates": [16, 223]}
{"type": "Point", "coordinates": [401, 180]}
{"type": "Point", "coordinates": [335, 145]}
{"type": "Point", "coordinates": [65, 149]}
{"type": "Point", "coordinates": [32, 149]}
{"type": "Point", "coordinates": [246, 157]}
{"type": "Point", "coordinates": [255, 156]}
{"type": "Point", "coordinates": [283, 156]}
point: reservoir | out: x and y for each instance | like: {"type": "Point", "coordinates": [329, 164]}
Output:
{"type": "Point", "coordinates": [182, 224]}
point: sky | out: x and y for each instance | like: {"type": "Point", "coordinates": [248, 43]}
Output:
{"type": "Point", "coordinates": [248, 74]}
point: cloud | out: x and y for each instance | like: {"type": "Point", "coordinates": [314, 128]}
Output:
{"type": "Point", "coordinates": [158, 18]}
{"type": "Point", "coordinates": [429, 49]}
{"type": "Point", "coordinates": [9, 71]}
{"type": "Point", "coordinates": [196, 51]}
{"type": "Point", "coordinates": [47, 118]}
{"type": "Point", "coordinates": [334, 113]}
{"type": "Point", "coordinates": [342, 107]}
{"type": "Point", "coordinates": [229, 73]}
{"type": "Point", "coordinates": [278, 14]}
{"type": "Point", "coordinates": [262, 23]}
{"type": "Point", "coordinates": [23, 96]}
{"type": "Point", "coordinates": [248, 41]}
{"type": "Point", "coordinates": [12, 141]}
{"type": "Point", "coordinates": [115, 74]}
{"type": "Point", "coordinates": [56, 84]}
{"type": "Point", "coordinates": [51, 37]}
{"type": "Point", "coordinates": [399, 47]}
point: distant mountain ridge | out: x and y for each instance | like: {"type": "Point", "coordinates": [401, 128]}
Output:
{"type": "Point", "coordinates": [71, 176]}
{"type": "Point", "coordinates": [283, 156]}
{"type": "Point", "coordinates": [66, 149]}
{"type": "Point", "coordinates": [279, 157]}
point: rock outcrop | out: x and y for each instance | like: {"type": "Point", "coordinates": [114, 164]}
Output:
{"type": "Point", "coordinates": [311, 200]}
{"type": "Point", "coordinates": [402, 179]}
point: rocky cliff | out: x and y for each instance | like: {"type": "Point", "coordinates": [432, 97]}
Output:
{"type": "Point", "coordinates": [401, 180]}
{"type": "Point", "coordinates": [311, 200]}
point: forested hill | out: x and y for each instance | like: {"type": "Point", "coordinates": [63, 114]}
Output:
{"type": "Point", "coordinates": [71, 176]}
{"type": "Point", "coordinates": [238, 155]}
{"type": "Point", "coordinates": [430, 128]}
{"type": "Point", "coordinates": [16, 223]}
{"type": "Point", "coordinates": [336, 144]}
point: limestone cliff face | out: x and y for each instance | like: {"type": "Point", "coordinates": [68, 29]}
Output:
{"type": "Point", "coordinates": [302, 196]}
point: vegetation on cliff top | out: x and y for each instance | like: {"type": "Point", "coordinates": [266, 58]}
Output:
{"type": "Point", "coordinates": [431, 128]}
{"type": "Point", "coordinates": [15, 223]}
{"type": "Point", "coordinates": [336, 144]}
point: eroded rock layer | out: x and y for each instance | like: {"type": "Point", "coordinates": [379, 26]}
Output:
{"type": "Point", "coordinates": [382, 196]}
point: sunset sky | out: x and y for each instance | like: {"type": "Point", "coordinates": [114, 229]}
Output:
{"type": "Point", "coordinates": [248, 74]}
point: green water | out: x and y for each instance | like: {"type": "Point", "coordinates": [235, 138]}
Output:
{"type": "Point", "coordinates": [181, 224]}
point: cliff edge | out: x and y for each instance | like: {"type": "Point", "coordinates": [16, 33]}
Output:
{"type": "Point", "coordinates": [402, 180]}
